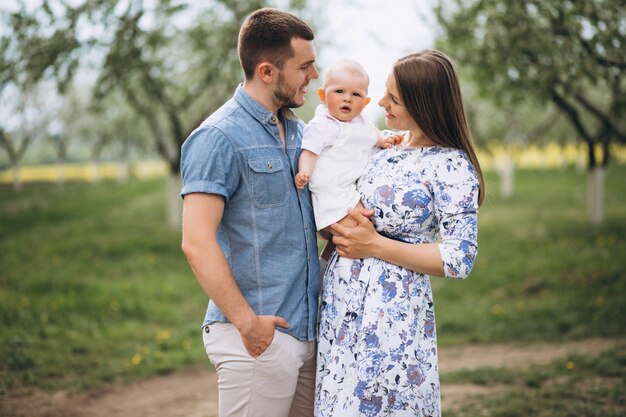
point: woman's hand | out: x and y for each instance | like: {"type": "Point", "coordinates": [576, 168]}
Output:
{"type": "Point", "coordinates": [359, 241]}
{"type": "Point", "coordinates": [363, 241]}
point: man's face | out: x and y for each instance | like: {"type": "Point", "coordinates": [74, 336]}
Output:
{"type": "Point", "coordinates": [296, 74]}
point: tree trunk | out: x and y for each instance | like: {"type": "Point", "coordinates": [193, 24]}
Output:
{"type": "Point", "coordinates": [595, 194]}
{"type": "Point", "coordinates": [123, 167]}
{"type": "Point", "coordinates": [60, 173]}
{"type": "Point", "coordinates": [17, 179]}
{"type": "Point", "coordinates": [580, 161]}
{"type": "Point", "coordinates": [174, 201]}
{"type": "Point", "coordinates": [507, 169]}
{"type": "Point", "coordinates": [123, 171]}
{"type": "Point", "coordinates": [94, 172]}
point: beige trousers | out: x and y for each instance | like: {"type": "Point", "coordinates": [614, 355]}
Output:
{"type": "Point", "coordinates": [279, 383]}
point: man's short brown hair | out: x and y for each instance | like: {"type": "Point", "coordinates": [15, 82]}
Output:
{"type": "Point", "coordinates": [266, 36]}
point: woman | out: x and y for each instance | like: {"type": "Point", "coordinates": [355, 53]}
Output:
{"type": "Point", "coordinates": [377, 339]}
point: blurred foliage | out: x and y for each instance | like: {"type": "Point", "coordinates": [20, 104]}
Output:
{"type": "Point", "coordinates": [567, 53]}
{"type": "Point", "coordinates": [172, 62]}
{"type": "Point", "coordinates": [512, 125]}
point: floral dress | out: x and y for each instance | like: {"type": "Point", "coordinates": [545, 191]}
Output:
{"type": "Point", "coordinates": [377, 351]}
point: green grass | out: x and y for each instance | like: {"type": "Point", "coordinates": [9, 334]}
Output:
{"type": "Point", "coordinates": [542, 271]}
{"type": "Point", "coordinates": [94, 288]}
{"type": "Point", "coordinates": [570, 387]}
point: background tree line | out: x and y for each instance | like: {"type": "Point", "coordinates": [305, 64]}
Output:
{"type": "Point", "coordinates": [141, 75]}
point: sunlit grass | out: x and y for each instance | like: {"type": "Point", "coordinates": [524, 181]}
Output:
{"type": "Point", "coordinates": [569, 387]}
{"type": "Point", "coordinates": [542, 272]}
{"type": "Point", "coordinates": [94, 288]}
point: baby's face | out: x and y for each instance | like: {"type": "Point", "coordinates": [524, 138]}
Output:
{"type": "Point", "coordinates": [345, 95]}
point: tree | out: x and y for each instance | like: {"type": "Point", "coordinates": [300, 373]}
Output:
{"type": "Point", "coordinates": [28, 113]}
{"type": "Point", "coordinates": [567, 53]}
{"type": "Point", "coordinates": [26, 61]}
{"type": "Point", "coordinates": [173, 62]}
{"type": "Point", "coordinates": [117, 126]}
{"type": "Point", "coordinates": [174, 78]}
{"type": "Point", "coordinates": [500, 129]}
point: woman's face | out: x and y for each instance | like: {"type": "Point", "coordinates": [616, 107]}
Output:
{"type": "Point", "coordinates": [397, 116]}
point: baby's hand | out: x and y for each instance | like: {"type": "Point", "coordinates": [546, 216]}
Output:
{"type": "Point", "coordinates": [302, 179]}
{"type": "Point", "coordinates": [389, 141]}
{"type": "Point", "coordinates": [396, 138]}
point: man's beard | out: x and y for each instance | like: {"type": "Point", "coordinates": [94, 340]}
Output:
{"type": "Point", "coordinates": [284, 94]}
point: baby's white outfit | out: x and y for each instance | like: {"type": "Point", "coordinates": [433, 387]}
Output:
{"type": "Point", "coordinates": [343, 149]}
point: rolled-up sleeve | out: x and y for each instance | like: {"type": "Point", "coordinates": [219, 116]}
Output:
{"type": "Point", "coordinates": [456, 202]}
{"type": "Point", "coordinates": [208, 163]}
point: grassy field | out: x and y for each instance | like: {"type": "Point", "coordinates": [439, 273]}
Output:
{"type": "Point", "coordinates": [542, 272]}
{"type": "Point", "coordinates": [94, 286]}
{"type": "Point", "coordinates": [575, 386]}
{"type": "Point", "coordinates": [95, 290]}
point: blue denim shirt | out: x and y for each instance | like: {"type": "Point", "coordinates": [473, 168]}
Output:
{"type": "Point", "coordinates": [267, 231]}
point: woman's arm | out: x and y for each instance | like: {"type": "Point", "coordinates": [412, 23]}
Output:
{"type": "Point", "coordinates": [362, 241]}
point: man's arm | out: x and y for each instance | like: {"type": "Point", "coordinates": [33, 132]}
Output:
{"type": "Point", "coordinates": [202, 214]}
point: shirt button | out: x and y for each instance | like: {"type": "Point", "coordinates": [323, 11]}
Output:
{"type": "Point", "coordinates": [306, 227]}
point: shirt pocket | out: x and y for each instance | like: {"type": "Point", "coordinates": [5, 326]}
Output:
{"type": "Point", "coordinates": [268, 182]}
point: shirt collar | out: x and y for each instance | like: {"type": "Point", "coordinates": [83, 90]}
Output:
{"type": "Point", "coordinates": [259, 112]}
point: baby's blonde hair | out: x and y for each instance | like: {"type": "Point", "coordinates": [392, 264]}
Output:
{"type": "Point", "coordinates": [349, 65]}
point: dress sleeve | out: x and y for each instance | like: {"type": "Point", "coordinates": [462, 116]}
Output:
{"type": "Point", "coordinates": [319, 133]}
{"type": "Point", "coordinates": [209, 164]}
{"type": "Point", "coordinates": [456, 188]}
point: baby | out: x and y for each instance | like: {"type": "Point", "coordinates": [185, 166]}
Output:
{"type": "Point", "coordinates": [337, 143]}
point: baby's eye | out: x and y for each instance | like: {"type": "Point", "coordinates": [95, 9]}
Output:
{"type": "Point", "coordinates": [356, 94]}
{"type": "Point", "coordinates": [339, 91]}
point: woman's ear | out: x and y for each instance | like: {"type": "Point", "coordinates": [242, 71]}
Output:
{"type": "Point", "coordinates": [322, 94]}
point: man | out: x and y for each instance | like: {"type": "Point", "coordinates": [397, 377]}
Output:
{"type": "Point", "coordinates": [249, 234]}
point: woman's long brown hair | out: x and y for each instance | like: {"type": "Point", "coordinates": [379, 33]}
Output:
{"type": "Point", "coordinates": [430, 91]}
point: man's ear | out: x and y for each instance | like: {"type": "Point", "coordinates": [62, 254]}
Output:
{"type": "Point", "coordinates": [322, 94]}
{"type": "Point", "coordinates": [265, 70]}
{"type": "Point", "coordinates": [367, 101]}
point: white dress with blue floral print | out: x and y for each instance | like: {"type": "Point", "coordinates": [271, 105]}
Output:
{"type": "Point", "coordinates": [377, 352]}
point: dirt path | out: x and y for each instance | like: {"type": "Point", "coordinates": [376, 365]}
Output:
{"type": "Point", "coordinates": [194, 394]}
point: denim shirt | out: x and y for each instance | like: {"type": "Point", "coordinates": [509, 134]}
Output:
{"type": "Point", "coordinates": [267, 231]}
